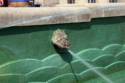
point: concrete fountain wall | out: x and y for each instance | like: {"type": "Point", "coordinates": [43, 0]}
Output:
{"type": "Point", "coordinates": [59, 15]}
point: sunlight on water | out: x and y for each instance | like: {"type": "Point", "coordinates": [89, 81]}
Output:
{"type": "Point", "coordinates": [92, 68]}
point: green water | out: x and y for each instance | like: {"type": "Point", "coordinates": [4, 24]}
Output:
{"type": "Point", "coordinates": [100, 42]}
{"type": "Point", "coordinates": [92, 68]}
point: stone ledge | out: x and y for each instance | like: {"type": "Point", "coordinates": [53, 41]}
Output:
{"type": "Point", "coordinates": [58, 15]}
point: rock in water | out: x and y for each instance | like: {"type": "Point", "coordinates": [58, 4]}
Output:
{"type": "Point", "coordinates": [60, 38]}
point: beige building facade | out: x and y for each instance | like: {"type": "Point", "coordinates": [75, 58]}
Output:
{"type": "Point", "coordinates": [92, 1]}
{"type": "Point", "coordinates": [47, 2]}
{"type": "Point", "coordinates": [59, 2]}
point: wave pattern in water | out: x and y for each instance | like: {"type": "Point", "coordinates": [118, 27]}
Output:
{"type": "Point", "coordinates": [53, 69]}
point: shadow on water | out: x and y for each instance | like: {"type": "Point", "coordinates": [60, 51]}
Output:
{"type": "Point", "coordinates": [64, 53]}
{"type": "Point", "coordinates": [37, 28]}
{"type": "Point", "coordinates": [67, 57]}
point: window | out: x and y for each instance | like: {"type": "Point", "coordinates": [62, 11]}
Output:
{"type": "Point", "coordinates": [71, 1]}
{"type": "Point", "coordinates": [113, 1]}
{"type": "Point", "coordinates": [91, 1]}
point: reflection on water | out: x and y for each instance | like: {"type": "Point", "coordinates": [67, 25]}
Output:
{"type": "Point", "coordinates": [67, 57]}
{"type": "Point", "coordinates": [92, 68]}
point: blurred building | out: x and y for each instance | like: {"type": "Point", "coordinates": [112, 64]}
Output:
{"type": "Point", "coordinates": [56, 2]}
{"type": "Point", "coordinates": [91, 1]}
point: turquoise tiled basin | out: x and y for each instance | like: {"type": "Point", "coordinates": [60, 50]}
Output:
{"type": "Point", "coordinates": [28, 56]}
